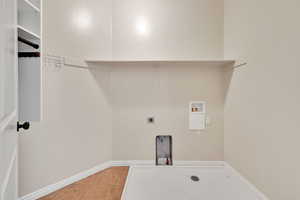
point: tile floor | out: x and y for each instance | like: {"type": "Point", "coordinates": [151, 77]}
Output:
{"type": "Point", "coordinates": [105, 185]}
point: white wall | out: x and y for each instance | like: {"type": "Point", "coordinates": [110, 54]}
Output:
{"type": "Point", "coordinates": [168, 29]}
{"type": "Point", "coordinates": [164, 91]}
{"type": "Point", "coordinates": [75, 133]}
{"type": "Point", "coordinates": [262, 107]}
{"type": "Point", "coordinates": [77, 28]}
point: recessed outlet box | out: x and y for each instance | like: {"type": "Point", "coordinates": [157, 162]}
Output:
{"type": "Point", "coordinates": [197, 115]}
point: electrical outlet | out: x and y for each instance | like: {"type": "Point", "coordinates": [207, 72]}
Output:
{"type": "Point", "coordinates": [150, 120]}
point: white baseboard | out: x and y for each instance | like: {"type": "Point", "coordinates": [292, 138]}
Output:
{"type": "Point", "coordinates": [233, 171]}
{"type": "Point", "coordinates": [199, 163]}
{"type": "Point", "coordinates": [131, 162]}
{"type": "Point", "coordinates": [63, 183]}
{"type": "Point", "coordinates": [175, 163]}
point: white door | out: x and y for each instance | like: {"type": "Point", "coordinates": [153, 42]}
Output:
{"type": "Point", "coordinates": [8, 101]}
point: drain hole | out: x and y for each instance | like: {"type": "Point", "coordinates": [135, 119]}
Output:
{"type": "Point", "coordinates": [195, 178]}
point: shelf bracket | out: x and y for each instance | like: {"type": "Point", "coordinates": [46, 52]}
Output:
{"type": "Point", "coordinates": [239, 63]}
{"type": "Point", "coordinates": [29, 43]}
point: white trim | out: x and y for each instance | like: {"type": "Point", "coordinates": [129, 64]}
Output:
{"type": "Point", "coordinates": [32, 5]}
{"type": "Point", "coordinates": [176, 163]}
{"type": "Point", "coordinates": [126, 184]}
{"type": "Point", "coordinates": [26, 33]}
{"type": "Point", "coordinates": [234, 172]}
{"type": "Point", "coordinates": [63, 183]}
{"type": "Point", "coordinates": [6, 120]}
{"type": "Point", "coordinates": [9, 171]}
{"type": "Point", "coordinates": [131, 162]}
{"type": "Point", "coordinates": [217, 61]}
{"type": "Point", "coordinates": [199, 163]}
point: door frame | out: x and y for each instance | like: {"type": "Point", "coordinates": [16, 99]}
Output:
{"type": "Point", "coordinates": [9, 122]}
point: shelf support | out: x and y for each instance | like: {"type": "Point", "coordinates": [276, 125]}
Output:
{"type": "Point", "coordinates": [29, 43]}
{"type": "Point", "coordinates": [28, 54]}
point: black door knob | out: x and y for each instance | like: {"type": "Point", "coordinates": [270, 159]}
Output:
{"type": "Point", "coordinates": [25, 126]}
